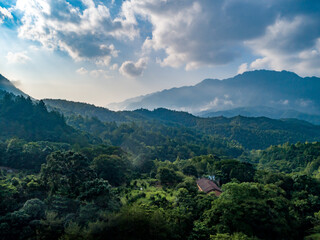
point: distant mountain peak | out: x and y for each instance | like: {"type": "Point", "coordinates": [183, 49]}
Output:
{"type": "Point", "coordinates": [275, 89]}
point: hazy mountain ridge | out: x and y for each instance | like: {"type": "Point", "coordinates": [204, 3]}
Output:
{"type": "Point", "coordinates": [250, 132]}
{"type": "Point", "coordinates": [6, 85]}
{"type": "Point", "coordinates": [69, 108]}
{"type": "Point", "coordinates": [261, 111]}
{"type": "Point", "coordinates": [280, 90]}
{"type": "Point", "coordinates": [84, 109]}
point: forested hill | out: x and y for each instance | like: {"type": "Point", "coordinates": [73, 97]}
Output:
{"type": "Point", "coordinates": [21, 117]}
{"type": "Point", "coordinates": [261, 132]}
{"type": "Point", "coordinates": [250, 132]}
{"type": "Point", "coordinates": [288, 158]}
{"type": "Point", "coordinates": [6, 85]}
{"type": "Point", "coordinates": [69, 108]}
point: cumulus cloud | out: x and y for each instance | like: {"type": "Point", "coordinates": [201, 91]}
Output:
{"type": "Point", "coordinates": [5, 13]}
{"type": "Point", "coordinates": [96, 73]}
{"type": "Point", "coordinates": [200, 33]}
{"type": "Point", "coordinates": [243, 68]}
{"type": "Point", "coordinates": [114, 67]}
{"type": "Point", "coordinates": [284, 33]}
{"type": "Point", "coordinates": [18, 57]}
{"type": "Point", "coordinates": [84, 33]}
{"type": "Point", "coordinates": [133, 69]}
{"type": "Point", "coordinates": [290, 44]}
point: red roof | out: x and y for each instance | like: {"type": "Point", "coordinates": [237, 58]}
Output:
{"type": "Point", "coordinates": [207, 185]}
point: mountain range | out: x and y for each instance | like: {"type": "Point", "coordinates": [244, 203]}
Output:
{"type": "Point", "coordinates": [250, 132]}
{"type": "Point", "coordinates": [262, 111]}
{"type": "Point", "coordinates": [256, 93]}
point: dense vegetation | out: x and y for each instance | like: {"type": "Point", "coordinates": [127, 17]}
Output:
{"type": "Point", "coordinates": [99, 193]}
{"type": "Point", "coordinates": [156, 140]}
{"type": "Point", "coordinates": [299, 157]}
{"type": "Point", "coordinates": [23, 118]}
{"type": "Point", "coordinates": [137, 179]}
{"type": "Point", "coordinates": [251, 133]}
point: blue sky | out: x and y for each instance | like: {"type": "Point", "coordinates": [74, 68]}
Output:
{"type": "Point", "coordinates": [107, 51]}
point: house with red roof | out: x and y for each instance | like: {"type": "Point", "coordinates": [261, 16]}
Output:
{"type": "Point", "coordinates": [208, 186]}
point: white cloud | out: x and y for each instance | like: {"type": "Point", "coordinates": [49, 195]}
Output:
{"type": "Point", "coordinates": [285, 34]}
{"type": "Point", "coordinates": [82, 71]}
{"type": "Point", "coordinates": [218, 103]}
{"type": "Point", "coordinates": [261, 63]}
{"type": "Point", "coordinates": [4, 13]}
{"type": "Point", "coordinates": [97, 73]}
{"type": "Point", "coordinates": [199, 33]}
{"type": "Point", "coordinates": [133, 69]}
{"type": "Point", "coordinates": [84, 34]}
{"type": "Point", "coordinates": [243, 68]}
{"type": "Point", "coordinates": [18, 57]}
{"type": "Point", "coordinates": [114, 67]}
{"type": "Point", "coordinates": [289, 44]}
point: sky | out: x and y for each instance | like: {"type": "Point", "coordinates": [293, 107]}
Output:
{"type": "Point", "coordinates": [104, 51]}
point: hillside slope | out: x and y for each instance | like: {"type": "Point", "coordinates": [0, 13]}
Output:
{"type": "Point", "coordinates": [21, 117]}
{"type": "Point", "coordinates": [6, 85]}
{"type": "Point", "coordinates": [250, 132]}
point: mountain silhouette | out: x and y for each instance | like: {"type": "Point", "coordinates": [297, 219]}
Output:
{"type": "Point", "coordinates": [269, 89]}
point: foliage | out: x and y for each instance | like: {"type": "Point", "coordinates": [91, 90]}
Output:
{"type": "Point", "coordinates": [251, 133]}
{"type": "Point", "coordinates": [65, 172]}
{"type": "Point", "coordinates": [113, 168]}
{"type": "Point", "coordinates": [288, 158]}
{"type": "Point", "coordinates": [226, 170]}
{"type": "Point", "coordinates": [137, 180]}
{"type": "Point", "coordinates": [21, 117]}
{"type": "Point", "coordinates": [19, 154]}
{"type": "Point", "coordinates": [235, 236]}
{"type": "Point", "coordinates": [157, 140]}
{"type": "Point", "coordinates": [168, 176]}
{"type": "Point", "coordinates": [253, 209]}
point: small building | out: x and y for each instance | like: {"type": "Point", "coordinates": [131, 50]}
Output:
{"type": "Point", "coordinates": [208, 186]}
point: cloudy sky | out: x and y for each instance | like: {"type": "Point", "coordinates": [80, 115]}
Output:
{"type": "Point", "coordinates": [109, 50]}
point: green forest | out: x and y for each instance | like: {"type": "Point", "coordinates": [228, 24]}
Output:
{"type": "Point", "coordinates": [73, 171]}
